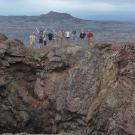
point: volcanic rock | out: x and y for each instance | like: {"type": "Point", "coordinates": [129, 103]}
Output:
{"type": "Point", "coordinates": [71, 90]}
{"type": "Point", "coordinates": [2, 37]}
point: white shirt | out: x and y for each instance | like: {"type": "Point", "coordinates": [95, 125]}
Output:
{"type": "Point", "coordinates": [32, 38]}
{"type": "Point", "coordinates": [68, 34]}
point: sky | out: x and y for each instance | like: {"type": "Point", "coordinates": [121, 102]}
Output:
{"type": "Point", "coordinates": [87, 9]}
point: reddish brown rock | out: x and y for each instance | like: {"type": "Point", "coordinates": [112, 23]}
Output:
{"type": "Point", "coordinates": [67, 90]}
{"type": "Point", "coordinates": [2, 37]}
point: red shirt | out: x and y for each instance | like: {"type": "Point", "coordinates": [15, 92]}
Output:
{"type": "Point", "coordinates": [90, 35]}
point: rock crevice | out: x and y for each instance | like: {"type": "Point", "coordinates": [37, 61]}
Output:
{"type": "Point", "coordinates": [67, 90]}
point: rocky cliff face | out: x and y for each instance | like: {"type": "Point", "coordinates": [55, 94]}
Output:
{"type": "Point", "coordinates": [71, 89]}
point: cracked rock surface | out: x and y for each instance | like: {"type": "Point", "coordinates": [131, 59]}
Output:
{"type": "Point", "coordinates": [69, 90]}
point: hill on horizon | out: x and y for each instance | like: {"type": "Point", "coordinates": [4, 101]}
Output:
{"type": "Point", "coordinates": [58, 15]}
{"type": "Point", "coordinates": [51, 14]}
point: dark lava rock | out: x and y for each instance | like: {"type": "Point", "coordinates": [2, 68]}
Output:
{"type": "Point", "coordinates": [67, 90]}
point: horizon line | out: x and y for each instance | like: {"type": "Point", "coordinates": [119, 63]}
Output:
{"type": "Point", "coordinates": [83, 18]}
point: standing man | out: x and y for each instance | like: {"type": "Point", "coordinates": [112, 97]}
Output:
{"type": "Point", "coordinates": [45, 38]}
{"type": "Point", "coordinates": [50, 36]}
{"type": "Point", "coordinates": [68, 35]}
{"type": "Point", "coordinates": [74, 34]}
{"type": "Point", "coordinates": [89, 36]}
{"type": "Point", "coordinates": [40, 36]}
{"type": "Point", "coordinates": [82, 35]}
{"type": "Point", "coordinates": [32, 39]}
{"type": "Point", "coordinates": [61, 35]}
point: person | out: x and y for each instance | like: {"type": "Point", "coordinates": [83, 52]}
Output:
{"type": "Point", "coordinates": [55, 37]}
{"type": "Point", "coordinates": [45, 38]}
{"type": "Point", "coordinates": [89, 36]}
{"type": "Point", "coordinates": [68, 35]}
{"type": "Point", "coordinates": [50, 36]}
{"type": "Point", "coordinates": [40, 35]}
{"type": "Point", "coordinates": [82, 35]}
{"type": "Point", "coordinates": [32, 39]}
{"type": "Point", "coordinates": [61, 35]}
{"type": "Point", "coordinates": [44, 33]}
{"type": "Point", "coordinates": [74, 34]}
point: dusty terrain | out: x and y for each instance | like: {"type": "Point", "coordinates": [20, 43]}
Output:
{"type": "Point", "coordinates": [71, 90]}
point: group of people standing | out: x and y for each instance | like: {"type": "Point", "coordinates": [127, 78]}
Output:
{"type": "Point", "coordinates": [43, 37]}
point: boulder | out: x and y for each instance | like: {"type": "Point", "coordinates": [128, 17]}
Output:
{"type": "Point", "coordinates": [3, 37]}
{"type": "Point", "coordinates": [16, 48]}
